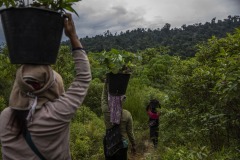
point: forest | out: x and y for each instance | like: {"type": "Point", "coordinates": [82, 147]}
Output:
{"type": "Point", "coordinates": [194, 72]}
{"type": "Point", "coordinates": [180, 41]}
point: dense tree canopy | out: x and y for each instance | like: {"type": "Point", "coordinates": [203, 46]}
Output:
{"type": "Point", "coordinates": [199, 95]}
{"type": "Point", "coordinates": [180, 41]}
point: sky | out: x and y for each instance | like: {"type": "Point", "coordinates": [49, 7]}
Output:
{"type": "Point", "coordinates": [98, 16]}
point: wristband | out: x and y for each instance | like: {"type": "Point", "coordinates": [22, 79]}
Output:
{"type": "Point", "coordinates": [78, 48]}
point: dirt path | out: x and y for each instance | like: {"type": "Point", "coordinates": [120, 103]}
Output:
{"type": "Point", "coordinates": [143, 152]}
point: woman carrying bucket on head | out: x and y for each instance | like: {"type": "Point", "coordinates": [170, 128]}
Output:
{"type": "Point", "coordinates": [36, 123]}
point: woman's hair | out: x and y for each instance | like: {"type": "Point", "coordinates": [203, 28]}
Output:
{"type": "Point", "coordinates": [155, 103]}
{"type": "Point", "coordinates": [18, 120]}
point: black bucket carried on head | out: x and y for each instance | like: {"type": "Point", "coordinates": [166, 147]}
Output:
{"type": "Point", "coordinates": [33, 35]}
{"type": "Point", "coordinates": [117, 83]}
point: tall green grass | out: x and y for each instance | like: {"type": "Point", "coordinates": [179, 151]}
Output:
{"type": "Point", "coordinates": [138, 97]}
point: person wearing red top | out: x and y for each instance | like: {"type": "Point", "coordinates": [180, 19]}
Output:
{"type": "Point", "coordinates": [153, 115]}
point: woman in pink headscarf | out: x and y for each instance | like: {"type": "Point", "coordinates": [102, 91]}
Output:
{"type": "Point", "coordinates": [40, 110]}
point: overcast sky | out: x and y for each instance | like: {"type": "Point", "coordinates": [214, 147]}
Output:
{"type": "Point", "coordinates": [98, 16]}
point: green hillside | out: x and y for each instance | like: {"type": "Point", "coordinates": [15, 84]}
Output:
{"type": "Point", "coordinates": [198, 85]}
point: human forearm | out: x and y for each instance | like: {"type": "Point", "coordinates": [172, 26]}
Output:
{"type": "Point", "coordinates": [67, 104]}
{"type": "Point", "coordinates": [130, 131]}
{"type": "Point", "coordinates": [70, 32]}
{"type": "Point", "coordinates": [75, 42]}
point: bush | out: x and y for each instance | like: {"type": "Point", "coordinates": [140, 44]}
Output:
{"type": "Point", "coordinates": [93, 97]}
{"type": "Point", "coordinates": [86, 138]}
{"type": "Point", "coordinates": [138, 97]}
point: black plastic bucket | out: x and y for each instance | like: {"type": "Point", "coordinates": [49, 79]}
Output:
{"type": "Point", "coordinates": [117, 83]}
{"type": "Point", "coordinates": [33, 35]}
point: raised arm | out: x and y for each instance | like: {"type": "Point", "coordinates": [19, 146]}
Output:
{"type": "Point", "coordinates": [65, 107]}
{"type": "Point", "coordinates": [70, 32]}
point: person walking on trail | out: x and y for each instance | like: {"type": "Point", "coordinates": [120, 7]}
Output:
{"type": "Point", "coordinates": [153, 120]}
{"type": "Point", "coordinates": [114, 116]}
{"type": "Point", "coordinates": [40, 110]}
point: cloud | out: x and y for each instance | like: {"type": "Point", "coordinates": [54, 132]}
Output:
{"type": "Point", "coordinates": [127, 15]}
{"type": "Point", "coordinates": [114, 18]}
{"type": "Point", "coordinates": [98, 16]}
{"type": "Point", "coordinates": [2, 38]}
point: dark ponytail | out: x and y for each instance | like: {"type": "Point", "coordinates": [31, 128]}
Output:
{"type": "Point", "coordinates": [18, 120]}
